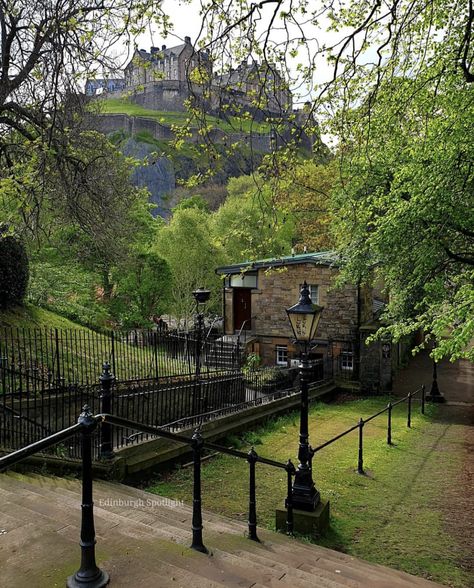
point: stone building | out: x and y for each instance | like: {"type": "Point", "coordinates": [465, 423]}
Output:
{"type": "Point", "coordinates": [167, 63]}
{"type": "Point", "coordinates": [255, 86]}
{"type": "Point", "coordinates": [161, 79]}
{"type": "Point", "coordinates": [256, 294]}
{"type": "Point", "coordinates": [95, 86]}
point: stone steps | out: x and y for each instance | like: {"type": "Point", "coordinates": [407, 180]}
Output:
{"type": "Point", "coordinates": [147, 545]}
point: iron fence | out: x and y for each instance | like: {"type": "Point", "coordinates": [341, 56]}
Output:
{"type": "Point", "coordinates": [174, 403]}
{"type": "Point", "coordinates": [35, 360]}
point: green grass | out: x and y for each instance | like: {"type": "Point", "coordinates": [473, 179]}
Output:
{"type": "Point", "coordinates": [28, 339]}
{"type": "Point", "coordinates": [122, 106]}
{"type": "Point", "coordinates": [391, 516]}
{"type": "Point", "coordinates": [29, 316]}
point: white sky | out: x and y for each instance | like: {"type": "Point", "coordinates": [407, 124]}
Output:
{"type": "Point", "coordinates": [187, 22]}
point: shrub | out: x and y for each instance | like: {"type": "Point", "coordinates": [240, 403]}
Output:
{"type": "Point", "coordinates": [14, 272]}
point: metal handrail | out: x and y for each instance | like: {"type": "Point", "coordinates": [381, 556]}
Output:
{"type": "Point", "coordinates": [16, 456]}
{"type": "Point", "coordinates": [126, 423]}
{"type": "Point", "coordinates": [87, 423]}
{"type": "Point", "coordinates": [368, 419]}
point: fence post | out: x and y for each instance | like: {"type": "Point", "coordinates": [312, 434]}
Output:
{"type": "Point", "coordinates": [112, 354]}
{"type": "Point", "coordinates": [155, 345]}
{"type": "Point", "coordinates": [360, 462]}
{"type": "Point", "coordinates": [58, 362]}
{"type": "Point", "coordinates": [409, 411]}
{"type": "Point", "coordinates": [423, 399]}
{"type": "Point", "coordinates": [106, 380]}
{"type": "Point", "coordinates": [197, 443]}
{"type": "Point", "coordinates": [252, 458]}
{"type": "Point", "coordinates": [389, 424]}
{"type": "Point", "coordinates": [88, 574]}
{"type": "Point", "coordinates": [290, 471]}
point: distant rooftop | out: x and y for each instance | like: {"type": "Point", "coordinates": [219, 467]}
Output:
{"type": "Point", "coordinates": [329, 258]}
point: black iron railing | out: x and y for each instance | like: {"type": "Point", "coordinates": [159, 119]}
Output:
{"type": "Point", "coordinates": [89, 573]}
{"type": "Point", "coordinates": [362, 422]}
{"type": "Point", "coordinates": [172, 403]}
{"type": "Point", "coordinates": [39, 360]}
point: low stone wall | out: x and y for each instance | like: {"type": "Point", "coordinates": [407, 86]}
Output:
{"type": "Point", "coordinates": [132, 125]}
{"type": "Point", "coordinates": [110, 123]}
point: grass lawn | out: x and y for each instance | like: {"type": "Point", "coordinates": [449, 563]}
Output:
{"type": "Point", "coordinates": [391, 516]}
{"type": "Point", "coordinates": [122, 106]}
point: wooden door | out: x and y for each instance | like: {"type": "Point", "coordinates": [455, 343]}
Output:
{"type": "Point", "coordinates": [242, 309]}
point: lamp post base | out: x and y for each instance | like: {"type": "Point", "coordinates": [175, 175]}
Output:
{"type": "Point", "coordinates": [97, 580]}
{"type": "Point", "coordinates": [313, 524]}
{"type": "Point", "coordinates": [435, 395]}
{"type": "Point", "coordinates": [305, 496]}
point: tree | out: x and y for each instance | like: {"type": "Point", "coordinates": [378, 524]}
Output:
{"type": "Point", "coordinates": [406, 212]}
{"type": "Point", "coordinates": [304, 193]}
{"type": "Point", "coordinates": [143, 289]}
{"type": "Point", "coordinates": [14, 271]}
{"type": "Point", "coordinates": [396, 98]}
{"type": "Point", "coordinates": [187, 246]}
{"type": "Point", "coordinates": [247, 227]}
{"type": "Point", "coordinates": [47, 49]}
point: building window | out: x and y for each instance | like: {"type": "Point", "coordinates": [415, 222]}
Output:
{"type": "Point", "coordinates": [313, 292]}
{"type": "Point", "coordinates": [347, 360]}
{"type": "Point", "coordinates": [281, 355]}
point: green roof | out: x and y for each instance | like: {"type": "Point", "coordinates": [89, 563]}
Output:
{"type": "Point", "coordinates": [329, 258]}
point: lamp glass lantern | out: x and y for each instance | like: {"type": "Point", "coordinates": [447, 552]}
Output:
{"type": "Point", "coordinates": [304, 316]}
{"type": "Point", "coordinates": [201, 295]}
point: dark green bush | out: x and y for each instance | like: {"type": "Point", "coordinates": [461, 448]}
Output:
{"type": "Point", "coordinates": [14, 272]}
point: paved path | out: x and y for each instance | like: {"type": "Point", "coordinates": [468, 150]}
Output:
{"type": "Point", "coordinates": [145, 545]}
{"type": "Point", "coordinates": [454, 432]}
{"type": "Point", "coordinates": [455, 380]}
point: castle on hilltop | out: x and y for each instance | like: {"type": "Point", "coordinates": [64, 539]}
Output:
{"type": "Point", "coordinates": [165, 78]}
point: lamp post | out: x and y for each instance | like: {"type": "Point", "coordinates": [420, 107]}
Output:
{"type": "Point", "coordinates": [435, 395]}
{"type": "Point", "coordinates": [304, 319]}
{"type": "Point", "coordinates": [201, 296]}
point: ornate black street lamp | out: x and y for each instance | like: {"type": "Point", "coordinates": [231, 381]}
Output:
{"type": "Point", "coordinates": [201, 296]}
{"type": "Point", "coordinates": [304, 319]}
{"type": "Point", "coordinates": [435, 395]}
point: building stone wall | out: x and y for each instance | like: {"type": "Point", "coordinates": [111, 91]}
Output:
{"type": "Point", "coordinates": [280, 288]}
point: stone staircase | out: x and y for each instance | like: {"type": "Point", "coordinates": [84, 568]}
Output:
{"type": "Point", "coordinates": [141, 544]}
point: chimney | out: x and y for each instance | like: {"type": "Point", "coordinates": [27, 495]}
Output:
{"type": "Point", "coordinates": [163, 47]}
{"type": "Point", "coordinates": [187, 40]}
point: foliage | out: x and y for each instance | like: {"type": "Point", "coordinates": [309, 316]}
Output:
{"type": "Point", "coordinates": [406, 208]}
{"type": "Point", "coordinates": [192, 202]}
{"type": "Point", "coordinates": [14, 271]}
{"type": "Point", "coordinates": [252, 361]}
{"type": "Point", "coordinates": [87, 226]}
{"type": "Point", "coordinates": [187, 246]}
{"type": "Point", "coordinates": [143, 290]}
{"type": "Point", "coordinates": [304, 192]}
{"type": "Point", "coordinates": [246, 226]}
